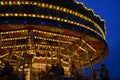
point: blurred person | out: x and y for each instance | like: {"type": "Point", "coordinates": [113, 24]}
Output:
{"type": "Point", "coordinates": [104, 75]}
{"type": "Point", "coordinates": [7, 71]}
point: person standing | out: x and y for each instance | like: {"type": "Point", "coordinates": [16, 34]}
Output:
{"type": "Point", "coordinates": [7, 71]}
{"type": "Point", "coordinates": [104, 75]}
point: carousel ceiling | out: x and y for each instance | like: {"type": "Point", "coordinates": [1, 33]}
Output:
{"type": "Point", "coordinates": [45, 45]}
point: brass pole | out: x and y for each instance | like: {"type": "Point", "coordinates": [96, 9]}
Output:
{"type": "Point", "coordinates": [69, 63]}
{"type": "Point", "coordinates": [18, 63]}
{"type": "Point", "coordinates": [51, 55]}
{"type": "Point", "coordinates": [91, 67]}
{"type": "Point", "coordinates": [23, 75]}
{"type": "Point", "coordinates": [59, 57]}
{"type": "Point", "coordinates": [46, 54]}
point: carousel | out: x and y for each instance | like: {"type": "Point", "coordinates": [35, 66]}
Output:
{"type": "Point", "coordinates": [37, 33]}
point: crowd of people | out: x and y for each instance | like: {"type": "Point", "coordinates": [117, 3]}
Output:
{"type": "Point", "coordinates": [55, 72]}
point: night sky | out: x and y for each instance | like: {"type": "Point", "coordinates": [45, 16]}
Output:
{"type": "Point", "coordinates": [109, 10]}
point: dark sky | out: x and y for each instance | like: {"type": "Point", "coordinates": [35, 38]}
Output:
{"type": "Point", "coordinates": [109, 10]}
